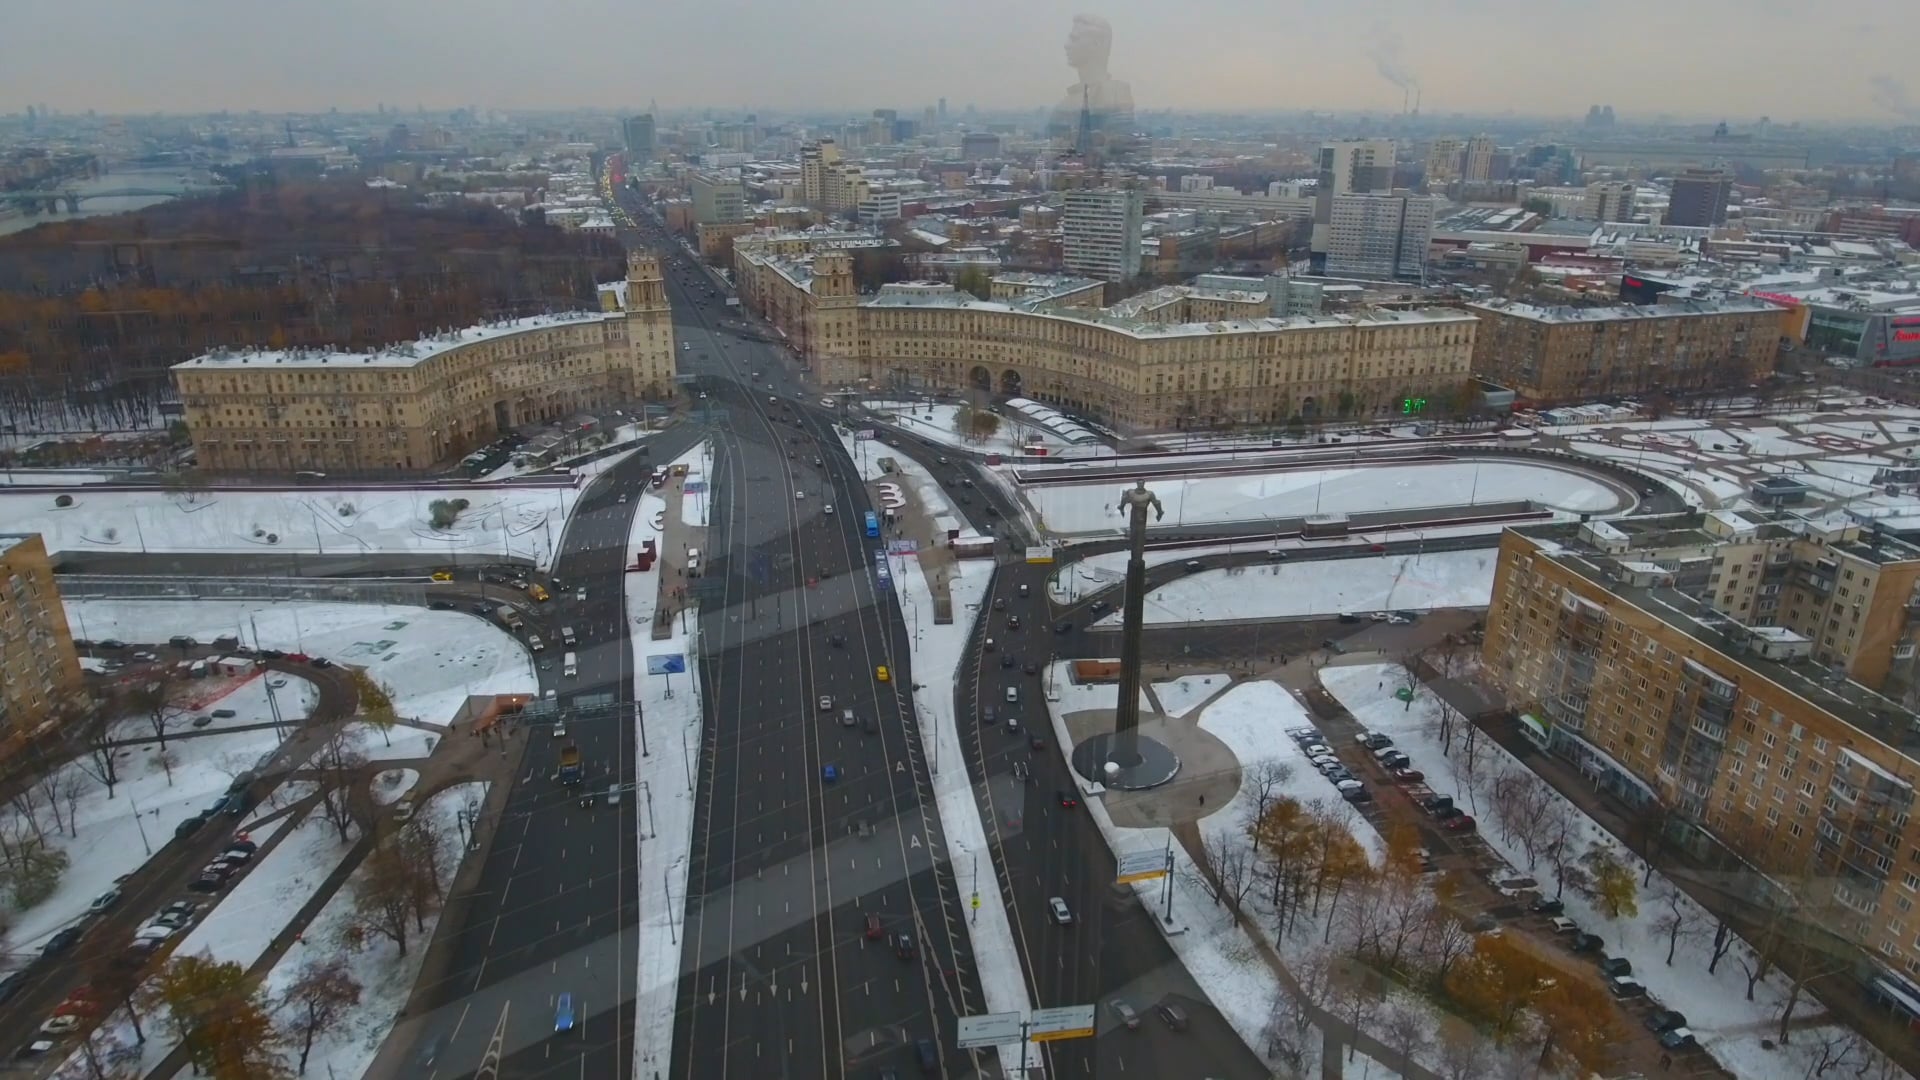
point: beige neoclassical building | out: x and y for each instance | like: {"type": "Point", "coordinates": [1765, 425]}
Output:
{"type": "Point", "coordinates": [1178, 358]}
{"type": "Point", "coordinates": [423, 403]}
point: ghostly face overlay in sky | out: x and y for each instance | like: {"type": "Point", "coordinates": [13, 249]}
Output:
{"type": "Point", "coordinates": [1088, 46]}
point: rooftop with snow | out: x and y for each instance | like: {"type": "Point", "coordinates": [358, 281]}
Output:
{"type": "Point", "coordinates": [404, 355]}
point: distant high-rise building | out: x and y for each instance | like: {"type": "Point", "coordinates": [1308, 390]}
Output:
{"type": "Point", "coordinates": [1609, 200]}
{"type": "Point", "coordinates": [637, 132]}
{"type": "Point", "coordinates": [1599, 116]}
{"type": "Point", "coordinates": [1362, 166]}
{"type": "Point", "coordinates": [1700, 198]}
{"type": "Point", "coordinates": [977, 145]}
{"type": "Point", "coordinates": [815, 157]}
{"type": "Point", "coordinates": [1196, 182]}
{"type": "Point", "coordinates": [1443, 161]}
{"type": "Point", "coordinates": [718, 199]}
{"type": "Point", "coordinates": [39, 670]}
{"type": "Point", "coordinates": [943, 110]}
{"type": "Point", "coordinates": [1380, 236]}
{"type": "Point", "coordinates": [1100, 233]}
{"type": "Point", "coordinates": [1479, 159]}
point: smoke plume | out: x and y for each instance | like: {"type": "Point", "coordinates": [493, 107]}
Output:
{"type": "Point", "coordinates": [1891, 95]}
{"type": "Point", "coordinates": [1387, 57]}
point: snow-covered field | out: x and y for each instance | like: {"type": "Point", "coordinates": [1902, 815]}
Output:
{"type": "Point", "coordinates": [941, 424]}
{"type": "Point", "coordinates": [1713, 460]}
{"type": "Point", "coordinates": [432, 660]}
{"type": "Point", "coordinates": [1088, 508]}
{"type": "Point", "coordinates": [1715, 1005]}
{"type": "Point", "coordinates": [524, 522]}
{"type": "Point", "coordinates": [1277, 590]}
{"type": "Point", "coordinates": [386, 978]}
{"type": "Point", "coordinates": [1179, 696]}
{"type": "Point", "coordinates": [111, 837]}
{"type": "Point", "coordinates": [244, 922]}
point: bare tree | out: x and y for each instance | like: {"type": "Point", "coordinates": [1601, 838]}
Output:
{"type": "Point", "coordinates": [1560, 843]}
{"type": "Point", "coordinates": [1723, 940]}
{"type": "Point", "coordinates": [339, 763]}
{"type": "Point", "coordinates": [1353, 997]}
{"type": "Point", "coordinates": [1232, 863]}
{"type": "Point", "coordinates": [1269, 778]}
{"type": "Point", "coordinates": [68, 786]}
{"type": "Point", "coordinates": [1675, 920]}
{"type": "Point", "coordinates": [99, 758]}
{"type": "Point", "coordinates": [1289, 1027]}
{"type": "Point", "coordinates": [319, 999]}
{"type": "Point", "coordinates": [158, 699]}
{"type": "Point", "coordinates": [1404, 1031]}
{"type": "Point", "coordinates": [1463, 1053]}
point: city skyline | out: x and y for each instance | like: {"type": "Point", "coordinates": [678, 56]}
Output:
{"type": "Point", "coordinates": [1711, 58]}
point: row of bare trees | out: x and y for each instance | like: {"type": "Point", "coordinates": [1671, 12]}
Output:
{"type": "Point", "coordinates": [230, 1025]}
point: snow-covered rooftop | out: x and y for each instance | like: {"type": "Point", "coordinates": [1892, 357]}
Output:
{"type": "Point", "coordinates": [404, 355]}
{"type": "Point", "coordinates": [1621, 312]}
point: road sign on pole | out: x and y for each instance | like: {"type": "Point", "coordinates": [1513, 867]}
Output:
{"type": "Point", "coordinates": [990, 1029]}
{"type": "Point", "coordinates": [1140, 866]}
{"type": "Point", "coordinates": [1065, 1022]}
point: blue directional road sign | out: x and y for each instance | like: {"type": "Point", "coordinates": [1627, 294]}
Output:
{"type": "Point", "coordinates": [667, 664]}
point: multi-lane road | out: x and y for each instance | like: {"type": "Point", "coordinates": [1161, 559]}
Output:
{"type": "Point", "coordinates": [823, 932]}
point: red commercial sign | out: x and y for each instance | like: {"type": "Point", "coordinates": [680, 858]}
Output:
{"type": "Point", "coordinates": [1906, 335]}
{"type": "Point", "coordinates": [1776, 298]}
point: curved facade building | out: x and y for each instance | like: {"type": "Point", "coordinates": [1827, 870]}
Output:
{"type": "Point", "coordinates": [427, 402]}
{"type": "Point", "coordinates": [1150, 367]}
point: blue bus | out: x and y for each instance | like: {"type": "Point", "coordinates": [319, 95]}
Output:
{"type": "Point", "coordinates": [873, 523]}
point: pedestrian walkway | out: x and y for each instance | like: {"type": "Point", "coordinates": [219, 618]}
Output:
{"type": "Point", "coordinates": [916, 523]}
{"type": "Point", "coordinates": [677, 541]}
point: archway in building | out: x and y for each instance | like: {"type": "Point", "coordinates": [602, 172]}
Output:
{"type": "Point", "coordinates": [1309, 408]}
{"type": "Point", "coordinates": [1010, 383]}
{"type": "Point", "coordinates": [981, 379]}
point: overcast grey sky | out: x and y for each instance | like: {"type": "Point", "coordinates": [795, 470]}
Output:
{"type": "Point", "coordinates": [1838, 59]}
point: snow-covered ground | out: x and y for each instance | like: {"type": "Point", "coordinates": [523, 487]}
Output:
{"type": "Point", "coordinates": [518, 521]}
{"type": "Point", "coordinates": [1088, 508]}
{"type": "Point", "coordinates": [673, 723]}
{"type": "Point", "coordinates": [389, 784]}
{"type": "Point", "coordinates": [1713, 460]}
{"type": "Point", "coordinates": [1106, 568]}
{"type": "Point", "coordinates": [111, 837]}
{"type": "Point", "coordinates": [1715, 1005]}
{"type": "Point", "coordinates": [432, 660]}
{"type": "Point", "coordinates": [1179, 696]}
{"type": "Point", "coordinates": [385, 977]}
{"type": "Point", "coordinates": [1277, 590]}
{"type": "Point", "coordinates": [937, 654]}
{"type": "Point", "coordinates": [401, 742]}
{"type": "Point", "coordinates": [940, 423]}
{"type": "Point", "coordinates": [244, 922]}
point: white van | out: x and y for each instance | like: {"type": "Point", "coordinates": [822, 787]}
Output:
{"type": "Point", "coordinates": [1013, 695]}
{"type": "Point", "coordinates": [567, 637]}
{"type": "Point", "coordinates": [568, 667]}
{"type": "Point", "coordinates": [693, 559]}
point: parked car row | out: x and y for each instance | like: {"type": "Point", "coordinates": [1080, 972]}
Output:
{"type": "Point", "coordinates": [1322, 757]}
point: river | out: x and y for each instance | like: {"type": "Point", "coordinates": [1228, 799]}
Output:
{"type": "Point", "coordinates": [174, 179]}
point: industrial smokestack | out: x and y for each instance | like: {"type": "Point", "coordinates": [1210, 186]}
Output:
{"type": "Point", "coordinates": [1403, 100]}
{"type": "Point", "coordinates": [1416, 101]}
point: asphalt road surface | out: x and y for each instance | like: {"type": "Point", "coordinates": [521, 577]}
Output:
{"type": "Point", "coordinates": [553, 910]}
{"type": "Point", "coordinates": [783, 976]}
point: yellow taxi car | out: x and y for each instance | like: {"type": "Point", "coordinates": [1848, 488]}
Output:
{"type": "Point", "coordinates": [534, 590]}
{"type": "Point", "coordinates": [881, 673]}
{"type": "Point", "coordinates": [442, 575]}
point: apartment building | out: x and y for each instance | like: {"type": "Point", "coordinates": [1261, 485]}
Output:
{"type": "Point", "coordinates": [1478, 167]}
{"type": "Point", "coordinates": [1549, 355]}
{"type": "Point", "coordinates": [1352, 167]}
{"type": "Point", "coordinates": [1609, 200]}
{"type": "Point", "coordinates": [718, 199]}
{"type": "Point", "coordinates": [1100, 233]}
{"type": "Point", "coordinates": [39, 670]}
{"type": "Point", "coordinates": [828, 180]}
{"type": "Point", "coordinates": [1700, 198]}
{"type": "Point", "coordinates": [1443, 161]}
{"type": "Point", "coordinates": [423, 403]}
{"type": "Point", "coordinates": [1165, 360]}
{"type": "Point", "coordinates": [1736, 732]}
{"type": "Point", "coordinates": [1380, 236]}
